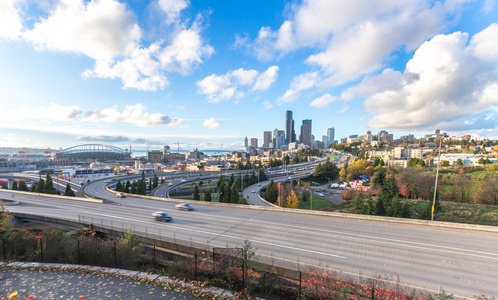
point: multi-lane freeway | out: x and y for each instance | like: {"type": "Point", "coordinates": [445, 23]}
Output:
{"type": "Point", "coordinates": [460, 261]}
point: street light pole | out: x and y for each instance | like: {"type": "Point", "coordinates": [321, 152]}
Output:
{"type": "Point", "coordinates": [437, 175]}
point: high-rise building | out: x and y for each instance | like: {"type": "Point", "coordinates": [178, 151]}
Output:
{"type": "Point", "coordinates": [325, 140]}
{"type": "Point", "coordinates": [267, 139]}
{"type": "Point", "coordinates": [278, 138]}
{"type": "Point", "coordinates": [246, 142]}
{"type": "Point", "coordinates": [330, 136]}
{"type": "Point", "coordinates": [254, 143]}
{"type": "Point", "coordinates": [290, 134]}
{"type": "Point", "coordinates": [306, 132]}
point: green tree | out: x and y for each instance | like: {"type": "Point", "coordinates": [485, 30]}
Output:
{"type": "Point", "coordinates": [196, 193]}
{"type": "Point", "coordinates": [207, 195]}
{"type": "Point", "coordinates": [49, 186]}
{"type": "Point", "coordinates": [271, 192]}
{"type": "Point", "coordinates": [379, 178]}
{"type": "Point", "coordinates": [14, 186]}
{"type": "Point", "coordinates": [40, 186]}
{"type": "Point", "coordinates": [459, 162]}
{"type": "Point", "coordinates": [69, 192]}
{"type": "Point", "coordinates": [445, 163]}
{"type": "Point", "coordinates": [142, 184]}
{"type": "Point", "coordinates": [227, 196]}
{"type": "Point", "coordinates": [380, 209]}
{"type": "Point", "coordinates": [23, 186]}
{"type": "Point", "coordinates": [221, 192]}
{"type": "Point", "coordinates": [155, 181]}
{"type": "Point", "coordinates": [234, 194]}
{"type": "Point", "coordinates": [262, 175]}
{"type": "Point", "coordinates": [119, 187]}
{"type": "Point", "coordinates": [127, 187]}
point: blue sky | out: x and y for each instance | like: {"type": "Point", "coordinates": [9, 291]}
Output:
{"type": "Point", "coordinates": [208, 73]}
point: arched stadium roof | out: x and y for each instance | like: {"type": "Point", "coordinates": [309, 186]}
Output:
{"type": "Point", "coordinates": [92, 148]}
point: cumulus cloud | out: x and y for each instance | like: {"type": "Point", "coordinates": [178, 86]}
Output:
{"type": "Point", "coordinates": [211, 123]}
{"type": "Point", "coordinates": [323, 101]}
{"type": "Point", "coordinates": [172, 9]}
{"type": "Point", "coordinates": [225, 87]}
{"type": "Point", "coordinates": [131, 114]}
{"type": "Point", "coordinates": [99, 29]}
{"type": "Point", "coordinates": [352, 38]}
{"type": "Point", "coordinates": [10, 18]}
{"type": "Point", "coordinates": [299, 83]}
{"type": "Point", "coordinates": [107, 31]}
{"type": "Point", "coordinates": [449, 83]}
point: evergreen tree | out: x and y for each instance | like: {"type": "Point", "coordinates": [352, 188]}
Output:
{"type": "Point", "coordinates": [155, 181]}
{"type": "Point", "coordinates": [221, 192]}
{"type": "Point", "coordinates": [49, 186]}
{"type": "Point", "coordinates": [119, 186]}
{"type": "Point", "coordinates": [238, 182]}
{"type": "Point", "coordinates": [220, 181]}
{"type": "Point", "coordinates": [234, 194]}
{"type": "Point", "coordinates": [162, 180]}
{"type": "Point", "coordinates": [196, 193]}
{"type": "Point", "coordinates": [150, 185]}
{"type": "Point", "coordinates": [127, 187]}
{"type": "Point", "coordinates": [143, 187]}
{"type": "Point", "coordinates": [23, 186]}
{"type": "Point", "coordinates": [207, 195]}
{"type": "Point", "coordinates": [133, 187]}
{"type": "Point", "coordinates": [227, 197]}
{"type": "Point", "coordinates": [358, 203]}
{"type": "Point", "coordinates": [40, 186]}
{"type": "Point", "coordinates": [231, 180]}
{"type": "Point", "coordinates": [262, 175]}
{"type": "Point", "coordinates": [33, 187]}
{"type": "Point", "coordinates": [380, 209]}
{"type": "Point", "coordinates": [271, 192]}
{"type": "Point", "coordinates": [69, 192]}
{"type": "Point", "coordinates": [14, 186]}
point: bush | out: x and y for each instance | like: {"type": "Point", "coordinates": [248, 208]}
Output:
{"type": "Point", "coordinates": [348, 194]}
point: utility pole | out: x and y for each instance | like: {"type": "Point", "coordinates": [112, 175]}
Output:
{"type": "Point", "coordinates": [437, 175]}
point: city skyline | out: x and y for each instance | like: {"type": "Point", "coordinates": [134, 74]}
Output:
{"type": "Point", "coordinates": [207, 74]}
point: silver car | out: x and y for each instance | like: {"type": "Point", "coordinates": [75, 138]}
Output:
{"type": "Point", "coordinates": [184, 206]}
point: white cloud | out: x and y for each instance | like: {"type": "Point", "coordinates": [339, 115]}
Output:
{"type": "Point", "coordinates": [44, 113]}
{"type": "Point", "coordinates": [353, 38]}
{"type": "Point", "coordinates": [267, 105]}
{"type": "Point", "coordinates": [186, 52]}
{"type": "Point", "coordinates": [323, 101]}
{"type": "Point", "coordinates": [446, 84]}
{"type": "Point", "coordinates": [133, 114]}
{"type": "Point", "coordinates": [484, 44]}
{"type": "Point", "coordinates": [225, 87]}
{"type": "Point", "coordinates": [211, 123]}
{"type": "Point", "coordinates": [106, 31]}
{"type": "Point", "coordinates": [299, 83]}
{"type": "Point", "coordinates": [10, 19]}
{"type": "Point", "coordinates": [99, 29]}
{"type": "Point", "coordinates": [266, 79]}
{"type": "Point", "coordinates": [172, 8]}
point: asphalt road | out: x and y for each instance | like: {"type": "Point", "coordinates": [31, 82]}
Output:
{"type": "Point", "coordinates": [461, 262]}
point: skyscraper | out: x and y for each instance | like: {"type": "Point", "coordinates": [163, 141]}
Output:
{"type": "Point", "coordinates": [267, 139]}
{"type": "Point", "coordinates": [306, 132]}
{"type": "Point", "coordinates": [290, 134]}
{"type": "Point", "coordinates": [254, 143]}
{"type": "Point", "coordinates": [246, 142]}
{"type": "Point", "coordinates": [330, 136]}
{"type": "Point", "coordinates": [278, 138]}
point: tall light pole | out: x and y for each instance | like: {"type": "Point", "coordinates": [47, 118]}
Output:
{"type": "Point", "coordinates": [437, 175]}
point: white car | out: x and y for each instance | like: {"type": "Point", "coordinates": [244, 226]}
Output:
{"type": "Point", "coordinates": [321, 195]}
{"type": "Point", "coordinates": [184, 206]}
{"type": "Point", "coordinates": [183, 180]}
{"type": "Point", "coordinates": [254, 191]}
{"type": "Point", "coordinates": [170, 183]}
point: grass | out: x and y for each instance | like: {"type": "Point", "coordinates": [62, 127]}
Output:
{"type": "Point", "coordinates": [318, 204]}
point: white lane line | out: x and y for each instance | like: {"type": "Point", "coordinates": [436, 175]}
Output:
{"type": "Point", "coordinates": [238, 238]}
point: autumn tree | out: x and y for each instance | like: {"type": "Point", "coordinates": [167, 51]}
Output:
{"type": "Point", "coordinates": [292, 200]}
{"type": "Point", "coordinates": [487, 192]}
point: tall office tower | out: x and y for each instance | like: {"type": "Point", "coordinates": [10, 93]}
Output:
{"type": "Point", "coordinates": [278, 138]}
{"type": "Point", "coordinates": [330, 136]}
{"type": "Point", "coordinates": [290, 134]}
{"type": "Point", "coordinates": [306, 132]}
{"type": "Point", "coordinates": [267, 139]}
{"type": "Point", "coordinates": [325, 140]}
{"type": "Point", "coordinates": [254, 143]}
{"type": "Point", "coordinates": [246, 142]}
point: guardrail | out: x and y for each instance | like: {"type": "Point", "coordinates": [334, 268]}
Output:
{"type": "Point", "coordinates": [53, 196]}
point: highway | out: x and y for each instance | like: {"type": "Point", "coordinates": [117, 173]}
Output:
{"type": "Point", "coordinates": [461, 262]}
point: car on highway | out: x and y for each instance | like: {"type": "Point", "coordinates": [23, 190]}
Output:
{"type": "Point", "coordinates": [321, 195]}
{"type": "Point", "coordinates": [171, 183]}
{"type": "Point", "coordinates": [184, 206]}
{"type": "Point", "coordinates": [107, 180]}
{"type": "Point", "coordinates": [254, 191]}
{"type": "Point", "coordinates": [161, 216]}
{"type": "Point", "coordinates": [183, 180]}
{"type": "Point", "coordinates": [120, 195]}
{"type": "Point", "coordinates": [163, 196]}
